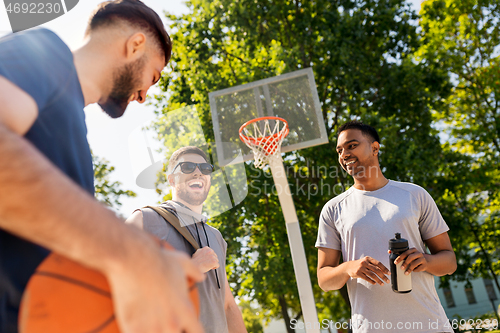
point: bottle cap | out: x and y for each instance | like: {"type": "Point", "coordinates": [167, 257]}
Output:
{"type": "Point", "coordinates": [397, 242]}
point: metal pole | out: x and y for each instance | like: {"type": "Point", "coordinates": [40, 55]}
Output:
{"type": "Point", "coordinates": [300, 267]}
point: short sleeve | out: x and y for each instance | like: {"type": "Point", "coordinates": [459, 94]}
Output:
{"type": "Point", "coordinates": [328, 235]}
{"type": "Point", "coordinates": [37, 62]}
{"type": "Point", "coordinates": [431, 223]}
{"type": "Point", "coordinates": [222, 242]}
{"type": "Point", "coordinates": [224, 247]}
{"type": "Point", "coordinates": [154, 224]}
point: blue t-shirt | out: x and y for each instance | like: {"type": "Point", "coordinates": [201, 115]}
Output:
{"type": "Point", "coordinates": [39, 63]}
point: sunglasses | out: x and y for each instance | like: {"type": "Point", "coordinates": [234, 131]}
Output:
{"type": "Point", "coordinates": [190, 167]}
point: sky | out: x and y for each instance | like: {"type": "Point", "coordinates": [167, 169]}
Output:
{"type": "Point", "coordinates": [109, 138]}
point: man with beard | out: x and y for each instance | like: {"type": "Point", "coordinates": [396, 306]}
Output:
{"type": "Point", "coordinates": [46, 174]}
{"type": "Point", "coordinates": [189, 174]}
{"type": "Point", "coordinates": [359, 223]}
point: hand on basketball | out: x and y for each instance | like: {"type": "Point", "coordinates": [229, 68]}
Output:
{"type": "Point", "coordinates": [206, 259]}
{"type": "Point", "coordinates": [412, 261]}
{"type": "Point", "coordinates": [151, 293]}
{"type": "Point", "coordinates": [368, 269]}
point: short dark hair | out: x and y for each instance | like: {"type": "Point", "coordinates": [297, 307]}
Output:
{"type": "Point", "coordinates": [137, 14]}
{"type": "Point", "coordinates": [367, 130]}
{"type": "Point", "coordinates": [183, 151]}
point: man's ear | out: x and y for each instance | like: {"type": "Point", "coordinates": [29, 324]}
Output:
{"type": "Point", "coordinates": [171, 179]}
{"type": "Point", "coordinates": [135, 45]}
{"type": "Point", "coordinates": [375, 148]}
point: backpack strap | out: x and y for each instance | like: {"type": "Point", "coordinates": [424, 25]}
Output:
{"type": "Point", "coordinates": [174, 222]}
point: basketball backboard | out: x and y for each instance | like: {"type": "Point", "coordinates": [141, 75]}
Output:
{"type": "Point", "coordinates": [291, 96]}
{"type": "Point", "coordinates": [294, 98]}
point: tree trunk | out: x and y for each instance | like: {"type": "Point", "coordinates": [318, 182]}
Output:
{"type": "Point", "coordinates": [495, 310]}
{"type": "Point", "coordinates": [284, 313]}
{"type": "Point", "coordinates": [485, 254]}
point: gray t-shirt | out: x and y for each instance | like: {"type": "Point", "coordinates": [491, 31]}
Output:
{"type": "Point", "coordinates": [212, 313]}
{"type": "Point", "coordinates": [360, 223]}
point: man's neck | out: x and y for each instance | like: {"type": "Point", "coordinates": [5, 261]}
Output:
{"type": "Point", "coordinates": [371, 182]}
{"type": "Point", "coordinates": [196, 209]}
{"type": "Point", "coordinates": [94, 71]}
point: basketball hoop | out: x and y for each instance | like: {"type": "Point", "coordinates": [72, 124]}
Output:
{"type": "Point", "coordinates": [264, 140]}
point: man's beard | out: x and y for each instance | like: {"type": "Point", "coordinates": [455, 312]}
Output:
{"type": "Point", "coordinates": [194, 199]}
{"type": "Point", "coordinates": [125, 81]}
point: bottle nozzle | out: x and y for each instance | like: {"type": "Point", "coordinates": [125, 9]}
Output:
{"type": "Point", "coordinates": [398, 235]}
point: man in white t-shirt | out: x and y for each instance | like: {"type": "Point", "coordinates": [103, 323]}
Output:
{"type": "Point", "coordinates": [359, 223]}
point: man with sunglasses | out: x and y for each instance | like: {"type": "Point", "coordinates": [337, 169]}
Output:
{"type": "Point", "coordinates": [189, 175]}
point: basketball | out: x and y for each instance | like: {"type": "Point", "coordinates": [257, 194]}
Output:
{"type": "Point", "coordinates": [63, 296]}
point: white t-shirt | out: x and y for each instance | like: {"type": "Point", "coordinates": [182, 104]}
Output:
{"type": "Point", "coordinates": [360, 223]}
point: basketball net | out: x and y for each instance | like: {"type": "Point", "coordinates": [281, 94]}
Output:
{"type": "Point", "coordinates": [264, 139]}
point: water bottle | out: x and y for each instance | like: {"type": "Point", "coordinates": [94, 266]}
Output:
{"type": "Point", "coordinates": [401, 283]}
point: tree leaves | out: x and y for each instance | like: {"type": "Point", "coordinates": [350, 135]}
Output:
{"type": "Point", "coordinates": [362, 54]}
{"type": "Point", "coordinates": [432, 92]}
{"type": "Point", "coordinates": [106, 191]}
{"type": "Point", "coordinates": [461, 39]}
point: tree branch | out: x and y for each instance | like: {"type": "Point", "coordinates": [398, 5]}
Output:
{"type": "Point", "coordinates": [245, 62]}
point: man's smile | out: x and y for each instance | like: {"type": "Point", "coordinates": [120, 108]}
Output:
{"type": "Point", "coordinates": [196, 184]}
{"type": "Point", "coordinates": [350, 162]}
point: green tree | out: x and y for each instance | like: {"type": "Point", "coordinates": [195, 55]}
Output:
{"type": "Point", "coordinates": [362, 56]}
{"type": "Point", "coordinates": [107, 191]}
{"type": "Point", "coordinates": [461, 39]}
